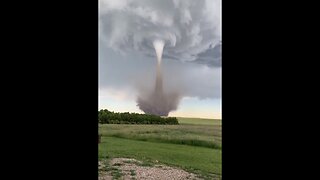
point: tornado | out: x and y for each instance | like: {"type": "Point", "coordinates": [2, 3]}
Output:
{"type": "Point", "coordinates": [158, 102]}
{"type": "Point", "coordinates": [158, 46]}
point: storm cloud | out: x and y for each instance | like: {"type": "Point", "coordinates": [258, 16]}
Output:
{"type": "Point", "coordinates": [191, 29]}
{"type": "Point", "coordinates": [191, 60]}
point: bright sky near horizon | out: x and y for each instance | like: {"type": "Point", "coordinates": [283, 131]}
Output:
{"type": "Point", "coordinates": [189, 107]}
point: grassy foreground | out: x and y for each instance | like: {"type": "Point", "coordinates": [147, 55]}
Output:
{"type": "Point", "coordinates": [194, 145]}
{"type": "Point", "coordinates": [196, 159]}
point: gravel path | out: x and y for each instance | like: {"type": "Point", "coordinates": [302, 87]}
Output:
{"type": "Point", "coordinates": [132, 169]}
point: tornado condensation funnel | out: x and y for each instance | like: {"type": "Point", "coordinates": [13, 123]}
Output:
{"type": "Point", "coordinates": [158, 46]}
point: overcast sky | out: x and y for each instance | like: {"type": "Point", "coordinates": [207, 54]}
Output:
{"type": "Point", "coordinates": [191, 56]}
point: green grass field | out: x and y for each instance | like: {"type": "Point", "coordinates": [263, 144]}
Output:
{"type": "Point", "coordinates": [199, 121]}
{"type": "Point", "coordinates": [194, 145]}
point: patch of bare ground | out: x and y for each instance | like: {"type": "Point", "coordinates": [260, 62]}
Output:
{"type": "Point", "coordinates": [131, 169]}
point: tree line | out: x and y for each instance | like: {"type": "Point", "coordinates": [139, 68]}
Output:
{"type": "Point", "coordinates": [108, 117]}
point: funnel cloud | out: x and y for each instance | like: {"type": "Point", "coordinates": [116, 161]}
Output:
{"type": "Point", "coordinates": [158, 102]}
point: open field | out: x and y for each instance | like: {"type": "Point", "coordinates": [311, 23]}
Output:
{"type": "Point", "coordinates": [194, 145]}
{"type": "Point", "coordinates": [196, 135]}
{"type": "Point", "coordinates": [206, 161]}
{"type": "Point", "coordinates": [199, 121]}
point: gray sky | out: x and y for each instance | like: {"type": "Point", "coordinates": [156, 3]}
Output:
{"type": "Point", "coordinates": [191, 56]}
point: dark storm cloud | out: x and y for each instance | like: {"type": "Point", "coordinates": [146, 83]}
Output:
{"type": "Point", "coordinates": [189, 28]}
{"type": "Point", "coordinates": [211, 57]}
